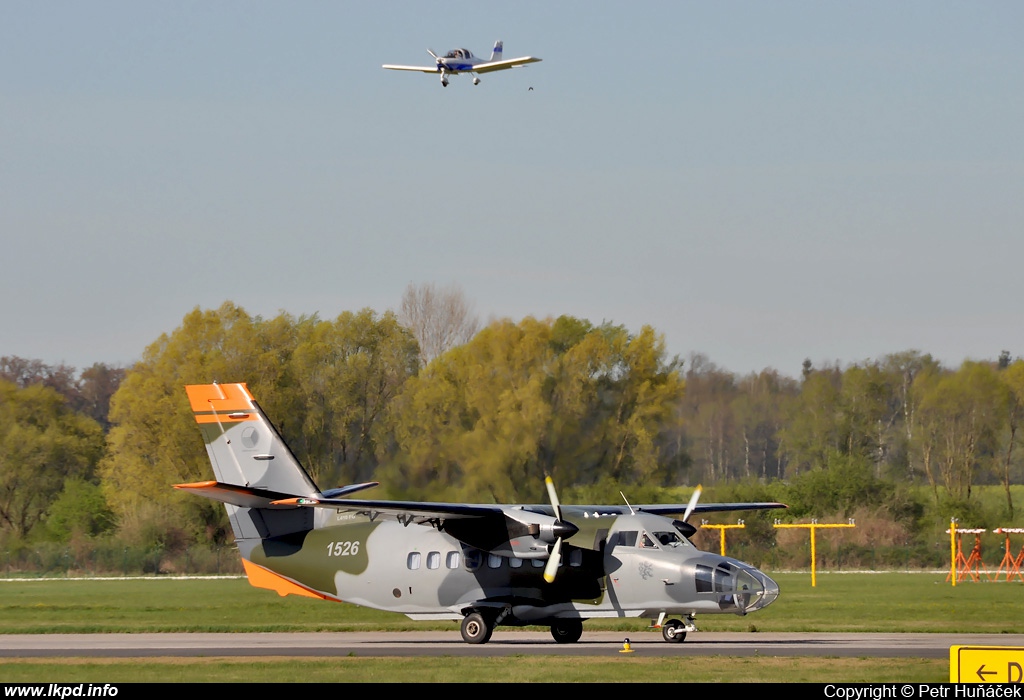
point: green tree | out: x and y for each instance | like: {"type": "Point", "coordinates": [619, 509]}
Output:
{"type": "Point", "coordinates": [80, 510]}
{"type": "Point", "coordinates": [812, 428]}
{"type": "Point", "coordinates": [960, 419]}
{"type": "Point", "coordinates": [346, 373]}
{"type": "Point", "coordinates": [328, 382]}
{"type": "Point", "coordinates": [488, 419]}
{"type": "Point", "coordinates": [758, 413]}
{"type": "Point", "coordinates": [707, 413]}
{"type": "Point", "coordinates": [43, 443]}
{"type": "Point", "coordinates": [1012, 377]}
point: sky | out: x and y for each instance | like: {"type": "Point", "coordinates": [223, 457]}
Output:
{"type": "Point", "coordinates": [759, 182]}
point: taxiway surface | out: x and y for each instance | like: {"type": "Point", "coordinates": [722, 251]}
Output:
{"type": "Point", "coordinates": [503, 643]}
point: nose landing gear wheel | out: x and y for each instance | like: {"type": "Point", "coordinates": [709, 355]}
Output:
{"type": "Point", "coordinates": [475, 629]}
{"type": "Point", "coordinates": [567, 631]}
{"type": "Point", "coordinates": [673, 631]}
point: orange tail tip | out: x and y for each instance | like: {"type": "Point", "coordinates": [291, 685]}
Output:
{"type": "Point", "coordinates": [221, 398]}
{"type": "Point", "coordinates": [260, 577]}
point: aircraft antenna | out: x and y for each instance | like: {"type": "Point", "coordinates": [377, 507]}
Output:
{"type": "Point", "coordinates": [631, 511]}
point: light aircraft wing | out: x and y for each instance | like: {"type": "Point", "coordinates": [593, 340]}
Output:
{"type": "Point", "coordinates": [421, 69]}
{"type": "Point", "coordinates": [502, 65]}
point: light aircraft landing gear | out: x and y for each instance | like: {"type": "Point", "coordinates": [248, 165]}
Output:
{"type": "Point", "coordinates": [567, 631]}
{"type": "Point", "coordinates": [476, 629]}
{"type": "Point", "coordinates": [444, 81]}
{"type": "Point", "coordinates": [476, 81]}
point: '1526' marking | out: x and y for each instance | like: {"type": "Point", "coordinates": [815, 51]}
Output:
{"type": "Point", "coordinates": [342, 549]}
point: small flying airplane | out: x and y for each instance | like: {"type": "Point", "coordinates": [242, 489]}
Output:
{"type": "Point", "coordinates": [482, 564]}
{"type": "Point", "coordinates": [459, 61]}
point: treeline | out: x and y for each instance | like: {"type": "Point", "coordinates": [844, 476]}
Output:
{"type": "Point", "coordinates": [484, 416]}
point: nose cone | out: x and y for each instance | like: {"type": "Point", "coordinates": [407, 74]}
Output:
{"type": "Point", "coordinates": [755, 590]}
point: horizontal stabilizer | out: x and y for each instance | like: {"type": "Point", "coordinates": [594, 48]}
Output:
{"type": "Point", "coordinates": [242, 496]}
{"type": "Point", "coordinates": [351, 488]}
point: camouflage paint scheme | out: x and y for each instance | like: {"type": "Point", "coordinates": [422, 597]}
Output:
{"type": "Point", "coordinates": [453, 560]}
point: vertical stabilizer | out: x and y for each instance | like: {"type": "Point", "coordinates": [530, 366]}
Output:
{"type": "Point", "coordinates": [245, 448]}
{"type": "Point", "coordinates": [247, 453]}
{"type": "Point", "coordinates": [496, 53]}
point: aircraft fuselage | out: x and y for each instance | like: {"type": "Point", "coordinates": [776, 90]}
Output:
{"type": "Point", "coordinates": [425, 573]}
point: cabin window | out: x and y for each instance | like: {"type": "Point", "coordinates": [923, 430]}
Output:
{"type": "Point", "coordinates": [537, 563]}
{"type": "Point", "coordinates": [515, 562]}
{"type": "Point", "coordinates": [576, 557]}
{"type": "Point", "coordinates": [493, 561]}
{"type": "Point", "coordinates": [474, 557]}
{"type": "Point", "coordinates": [452, 560]}
{"type": "Point", "coordinates": [433, 560]}
{"type": "Point", "coordinates": [413, 561]}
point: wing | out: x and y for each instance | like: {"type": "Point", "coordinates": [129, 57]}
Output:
{"type": "Point", "coordinates": [502, 65]}
{"type": "Point", "coordinates": [421, 69]}
{"type": "Point", "coordinates": [524, 532]}
{"type": "Point", "coordinates": [671, 508]}
{"type": "Point", "coordinates": [403, 511]}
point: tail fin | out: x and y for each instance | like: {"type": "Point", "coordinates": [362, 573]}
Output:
{"type": "Point", "coordinates": [251, 462]}
{"type": "Point", "coordinates": [496, 52]}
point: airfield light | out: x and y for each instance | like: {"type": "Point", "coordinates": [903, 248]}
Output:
{"type": "Point", "coordinates": [813, 526]}
{"type": "Point", "coordinates": [721, 532]}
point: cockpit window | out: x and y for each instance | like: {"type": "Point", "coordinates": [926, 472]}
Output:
{"type": "Point", "coordinates": [670, 538]}
{"type": "Point", "coordinates": [646, 542]}
{"type": "Point", "coordinates": [625, 538]}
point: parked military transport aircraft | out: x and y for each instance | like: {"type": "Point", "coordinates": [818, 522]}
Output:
{"type": "Point", "coordinates": [486, 565]}
{"type": "Point", "coordinates": [459, 61]}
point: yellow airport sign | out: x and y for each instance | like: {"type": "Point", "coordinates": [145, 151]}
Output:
{"type": "Point", "coordinates": [968, 664]}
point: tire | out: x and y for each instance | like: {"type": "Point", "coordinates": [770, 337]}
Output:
{"type": "Point", "coordinates": [673, 631]}
{"type": "Point", "coordinates": [567, 631]}
{"type": "Point", "coordinates": [475, 629]}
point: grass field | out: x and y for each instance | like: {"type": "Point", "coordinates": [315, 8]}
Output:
{"type": "Point", "coordinates": [849, 602]}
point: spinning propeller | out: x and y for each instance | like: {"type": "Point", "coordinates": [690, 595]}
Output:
{"type": "Point", "coordinates": [693, 503]}
{"type": "Point", "coordinates": [686, 528]}
{"type": "Point", "coordinates": [556, 552]}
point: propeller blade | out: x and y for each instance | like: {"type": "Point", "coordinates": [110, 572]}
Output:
{"type": "Point", "coordinates": [692, 504]}
{"type": "Point", "coordinates": [552, 566]}
{"type": "Point", "coordinates": [436, 57]}
{"type": "Point", "coordinates": [553, 496]}
{"type": "Point", "coordinates": [561, 528]}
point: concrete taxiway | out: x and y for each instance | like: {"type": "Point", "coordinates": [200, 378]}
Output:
{"type": "Point", "coordinates": [503, 643]}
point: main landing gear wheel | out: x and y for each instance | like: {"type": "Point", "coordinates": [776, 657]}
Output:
{"type": "Point", "coordinates": [475, 629]}
{"type": "Point", "coordinates": [567, 631]}
{"type": "Point", "coordinates": [673, 631]}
